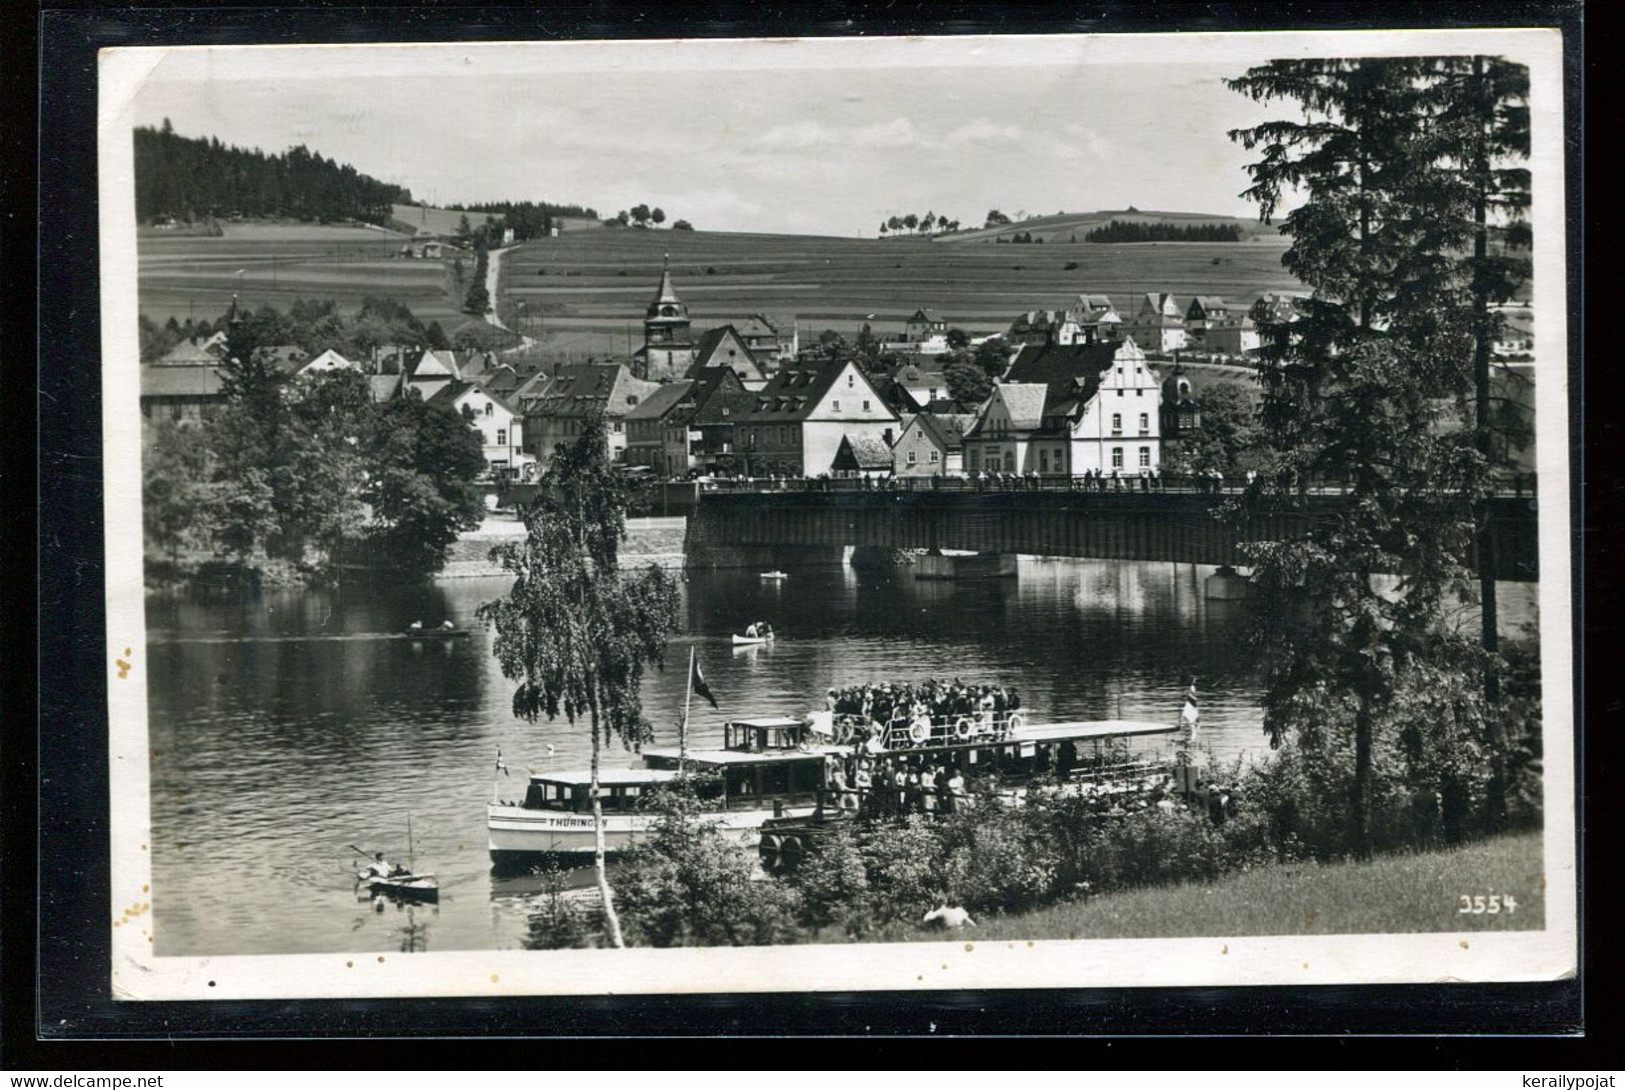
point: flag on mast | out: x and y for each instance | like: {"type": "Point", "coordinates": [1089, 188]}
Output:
{"type": "Point", "coordinates": [502, 766]}
{"type": "Point", "coordinates": [696, 681]}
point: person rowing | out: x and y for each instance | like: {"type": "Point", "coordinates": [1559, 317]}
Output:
{"type": "Point", "coordinates": [750, 630]}
{"type": "Point", "coordinates": [382, 868]}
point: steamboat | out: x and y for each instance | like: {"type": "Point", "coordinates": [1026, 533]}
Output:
{"type": "Point", "coordinates": [776, 768]}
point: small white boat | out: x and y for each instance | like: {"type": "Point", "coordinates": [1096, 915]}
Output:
{"type": "Point", "coordinates": [774, 575]}
{"type": "Point", "coordinates": [743, 641]}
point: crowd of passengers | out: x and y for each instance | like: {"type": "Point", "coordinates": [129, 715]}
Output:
{"type": "Point", "coordinates": [887, 706]}
{"type": "Point", "coordinates": [889, 785]}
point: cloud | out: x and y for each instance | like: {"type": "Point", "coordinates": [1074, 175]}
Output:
{"type": "Point", "coordinates": [983, 131]}
{"type": "Point", "coordinates": [1090, 143]}
{"type": "Point", "coordinates": [798, 135]}
{"type": "Point", "coordinates": [898, 133]}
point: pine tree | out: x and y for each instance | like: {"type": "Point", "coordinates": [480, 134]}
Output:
{"type": "Point", "coordinates": [1354, 394]}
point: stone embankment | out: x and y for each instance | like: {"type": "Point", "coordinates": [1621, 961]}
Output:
{"type": "Point", "coordinates": [648, 541]}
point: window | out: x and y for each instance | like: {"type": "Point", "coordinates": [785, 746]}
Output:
{"type": "Point", "coordinates": [1043, 461]}
{"type": "Point", "coordinates": [1119, 391]}
{"type": "Point", "coordinates": [1117, 423]}
{"type": "Point", "coordinates": [1145, 457]}
{"type": "Point", "coordinates": [1145, 423]}
{"type": "Point", "coordinates": [502, 437]}
{"type": "Point", "coordinates": [1009, 461]}
{"type": "Point", "coordinates": [1139, 393]}
{"type": "Point", "coordinates": [866, 406]}
{"type": "Point", "coordinates": [912, 458]}
{"type": "Point", "coordinates": [975, 457]}
{"type": "Point", "coordinates": [725, 410]}
{"type": "Point", "coordinates": [851, 380]}
{"type": "Point", "coordinates": [489, 408]}
{"type": "Point", "coordinates": [617, 427]}
{"type": "Point", "coordinates": [936, 456]}
{"type": "Point", "coordinates": [1117, 457]}
{"type": "Point", "coordinates": [837, 406]}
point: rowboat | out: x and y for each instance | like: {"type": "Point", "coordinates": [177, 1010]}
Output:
{"type": "Point", "coordinates": [408, 887]}
{"type": "Point", "coordinates": [435, 633]}
{"type": "Point", "coordinates": [774, 575]}
{"type": "Point", "coordinates": [740, 641]}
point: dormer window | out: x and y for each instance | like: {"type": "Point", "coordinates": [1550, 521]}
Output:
{"type": "Point", "coordinates": [631, 399]}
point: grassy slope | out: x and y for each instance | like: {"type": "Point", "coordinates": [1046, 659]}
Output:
{"type": "Point", "coordinates": [1398, 893]}
{"type": "Point", "coordinates": [597, 283]}
{"type": "Point", "coordinates": [196, 276]}
{"type": "Point", "coordinates": [1063, 225]}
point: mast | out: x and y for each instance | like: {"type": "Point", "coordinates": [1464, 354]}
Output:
{"type": "Point", "coordinates": [682, 726]}
{"type": "Point", "coordinates": [410, 865]}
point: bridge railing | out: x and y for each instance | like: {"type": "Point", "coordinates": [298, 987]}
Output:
{"type": "Point", "coordinates": [1510, 485]}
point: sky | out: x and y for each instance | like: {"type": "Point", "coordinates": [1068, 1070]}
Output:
{"type": "Point", "coordinates": [775, 137]}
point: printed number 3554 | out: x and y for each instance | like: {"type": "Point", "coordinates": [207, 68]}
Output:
{"type": "Point", "coordinates": [1492, 905]}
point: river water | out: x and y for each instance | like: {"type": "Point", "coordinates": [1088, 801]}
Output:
{"type": "Point", "coordinates": [287, 727]}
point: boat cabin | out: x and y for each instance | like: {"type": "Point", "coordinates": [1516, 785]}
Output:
{"type": "Point", "coordinates": [761, 735]}
{"type": "Point", "coordinates": [620, 790]}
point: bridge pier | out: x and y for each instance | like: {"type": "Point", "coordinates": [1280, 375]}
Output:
{"type": "Point", "coordinates": [1225, 585]}
{"type": "Point", "coordinates": [934, 565]}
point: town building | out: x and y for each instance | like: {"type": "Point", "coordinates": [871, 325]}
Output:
{"type": "Point", "coordinates": [799, 418]}
{"type": "Point", "coordinates": [668, 341]}
{"type": "Point", "coordinates": [912, 387]}
{"type": "Point", "coordinates": [556, 408]}
{"type": "Point", "coordinates": [1071, 409]}
{"type": "Point", "coordinates": [1231, 335]}
{"type": "Point", "coordinates": [724, 347]}
{"type": "Point", "coordinates": [773, 339]}
{"type": "Point", "coordinates": [861, 456]}
{"type": "Point", "coordinates": [1203, 310]}
{"type": "Point", "coordinates": [1181, 413]}
{"type": "Point", "coordinates": [1157, 325]}
{"type": "Point", "coordinates": [499, 423]}
{"type": "Point", "coordinates": [648, 428]}
{"type": "Point", "coordinates": [328, 360]}
{"type": "Point", "coordinates": [932, 445]}
{"type": "Point", "coordinates": [924, 325]}
{"type": "Point", "coordinates": [177, 394]}
{"type": "Point", "coordinates": [194, 352]}
{"type": "Point", "coordinates": [431, 372]}
{"type": "Point", "coordinates": [1090, 318]}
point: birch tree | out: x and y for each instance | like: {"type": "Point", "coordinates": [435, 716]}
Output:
{"type": "Point", "coordinates": [575, 632]}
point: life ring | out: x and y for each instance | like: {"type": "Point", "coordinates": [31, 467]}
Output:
{"type": "Point", "coordinates": [963, 729]}
{"type": "Point", "coordinates": [1016, 721]}
{"type": "Point", "coordinates": [919, 733]}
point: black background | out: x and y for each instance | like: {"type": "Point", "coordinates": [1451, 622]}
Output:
{"type": "Point", "coordinates": [56, 941]}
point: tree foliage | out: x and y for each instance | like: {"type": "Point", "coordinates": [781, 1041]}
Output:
{"type": "Point", "coordinates": [967, 383]}
{"type": "Point", "coordinates": [1131, 231]}
{"type": "Point", "coordinates": [1370, 387]}
{"type": "Point", "coordinates": [575, 633]}
{"type": "Point", "coordinates": [189, 178]}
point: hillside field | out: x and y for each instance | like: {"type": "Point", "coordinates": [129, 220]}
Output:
{"type": "Point", "coordinates": [1062, 226]}
{"type": "Point", "coordinates": [188, 276]}
{"type": "Point", "coordinates": [586, 292]}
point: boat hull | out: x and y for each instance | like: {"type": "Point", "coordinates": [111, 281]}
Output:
{"type": "Point", "coordinates": [746, 641]}
{"type": "Point", "coordinates": [517, 835]}
{"type": "Point", "coordinates": [436, 634]}
{"type": "Point", "coordinates": [410, 888]}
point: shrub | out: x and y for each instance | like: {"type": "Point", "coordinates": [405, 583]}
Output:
{"type": "Point", "coordinates": [688, 885]}
{"type": "Point", "coordinates": [904, 863]}
{"type": "Point", "coordinates": [833, 884]}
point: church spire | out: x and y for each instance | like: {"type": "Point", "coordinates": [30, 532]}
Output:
{"type": "Point", "coordinates": [667, 295]}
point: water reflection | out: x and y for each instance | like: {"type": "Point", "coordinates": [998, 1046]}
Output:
{"type": "Point", "coordinates": [289, 725]}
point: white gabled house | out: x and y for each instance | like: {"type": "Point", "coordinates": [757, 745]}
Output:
{"type": "Point", "coordinates": [804, 412]}
{"type": "Point", "coordinates": [329, 360]}
{"type": "Point", "coordinates": [501, 427]}
{"type": "Point", "coordinates": [1071, 409]}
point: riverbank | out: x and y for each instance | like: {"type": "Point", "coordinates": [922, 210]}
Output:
{"type": "Point", "coordinates": [1401, 893]}
{"type": "Point", "coordinates": [657, 541]}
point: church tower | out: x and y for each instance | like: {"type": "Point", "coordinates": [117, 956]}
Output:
{"type": "Point", "coordinates": [668, 345]}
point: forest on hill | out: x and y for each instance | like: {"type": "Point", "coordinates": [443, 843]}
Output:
{"type": "Point", "coordinates": [1129, 231]}
{"type": "Point", "coordinates": [529, 219]}
{"type": "Point", "coordinates": [191, 178]}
